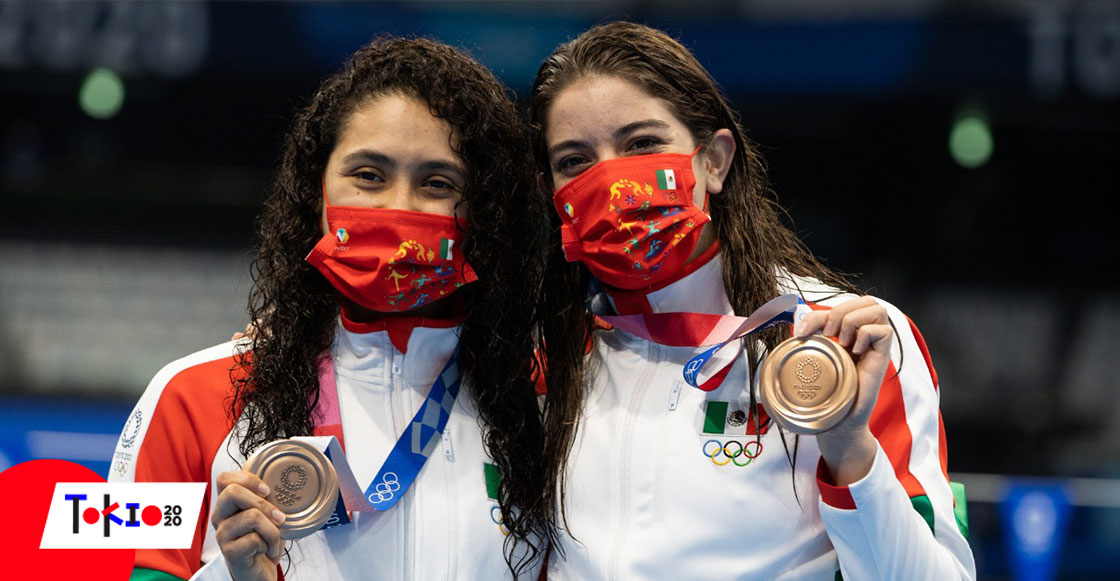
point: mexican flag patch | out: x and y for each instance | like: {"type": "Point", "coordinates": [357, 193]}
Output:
{"type": "Point", "coordinates": [666, 179]}
{"type": "Point", "coordinates": [445, 248]}
{"type": "Point", "coordinates": [727, 418]}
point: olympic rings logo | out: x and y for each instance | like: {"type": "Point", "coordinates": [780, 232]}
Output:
{"type": "Point", "coordinates": [384, 490]}
{"type": "Point", "coordinates": [732, 451]}
{"type": "Point", "coordinates": [496, 516]}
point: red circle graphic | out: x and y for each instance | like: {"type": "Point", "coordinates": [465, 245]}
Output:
{"type": "Point", "coordinates": [28, 487]}
{"type": "Point", "coordinates": [151, 515]}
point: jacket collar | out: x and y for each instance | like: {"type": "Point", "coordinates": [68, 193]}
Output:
{"type": "Point", "coordinates": [417, 347]}
{"type": "Point", "coordinates": [700, 291]}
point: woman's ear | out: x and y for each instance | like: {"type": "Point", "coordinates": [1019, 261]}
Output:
{"type": "Point", "coordinates": [718, 156]}
{"type": "Point", "coordinates": [320, 206]}
{"type": "Point", "coordinates": [544, 186]}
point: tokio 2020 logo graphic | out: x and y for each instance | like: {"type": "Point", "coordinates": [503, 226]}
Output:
{"type": "Point", "coordinates": [141, 515]}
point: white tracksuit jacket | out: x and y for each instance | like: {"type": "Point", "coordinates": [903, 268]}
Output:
{"type": "Point", "coordinates": [644, 501]}
{"type": "Point", "coordinates": [443, 529]}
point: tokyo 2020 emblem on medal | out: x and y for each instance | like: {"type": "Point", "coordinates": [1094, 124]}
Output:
{"type": "Point", "coordinates": [302, 482]}
{"type": "Point", "coordinates": [808, 385]}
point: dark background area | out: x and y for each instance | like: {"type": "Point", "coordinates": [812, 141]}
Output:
{"type": "Point", "coordinates": [124, 241]}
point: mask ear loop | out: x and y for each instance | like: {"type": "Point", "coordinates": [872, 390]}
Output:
{"type": "Point", "coordinates": [455, 215]}
{"type": "Point", "coordinates": [707, 196]}
{"type": "Point", "coordinates": [326, 203]}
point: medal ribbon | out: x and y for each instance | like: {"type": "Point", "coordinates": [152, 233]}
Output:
{"type": "Point", "coordinates": [703, 330]}
{"type": "Point", "coordinates": [407, 457]}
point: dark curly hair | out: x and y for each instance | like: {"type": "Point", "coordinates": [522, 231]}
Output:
{"type": "Point", "coordinates": [755, 243]}
{"type": "Point", "coordinates": [296, 309]}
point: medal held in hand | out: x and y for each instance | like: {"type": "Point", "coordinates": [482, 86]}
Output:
{"type": "Point", "coordinates": [302, 483]}
{"type": "Point", "coordinates": [808, 385]}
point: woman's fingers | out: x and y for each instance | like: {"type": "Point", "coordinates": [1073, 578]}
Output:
{"type": "Point", "coordinates": [877, 337]}
{"type": "Point", "coordinates": [245, 479]}
{"type": "Point", "coordinates": [811, 323]}
{"type": "Point", "coordinates": [242, 552]}
{"type": "Point", "coordinates": [246, 524]}
{"type": "Point", "coordinates": [245, 563]}
{"type": "Point", "coordinates": [240, 490]}
{"type": "Point", "coordinates": [250, 532]}
{"type": "Point", "coordinates": [842, 321]}
{"type": "Point", "coordinates": [844, 318]}
{"type": "Point", "coordinates": [853, 322]}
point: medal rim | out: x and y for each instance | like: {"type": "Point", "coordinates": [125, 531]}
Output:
{"type": "Point", "coordinates": [304, 522]}
{"type": "Point", "coordinates": [800, 419]}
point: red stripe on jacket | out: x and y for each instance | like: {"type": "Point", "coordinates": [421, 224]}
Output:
{"type": "Point", "coordinates": [188, 425]}
{"type": "Point", "coordinates": [942, 446]}
{"type": "Point", "coordinates": [889, 426]}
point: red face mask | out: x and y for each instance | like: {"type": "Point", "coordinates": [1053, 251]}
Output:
{"type": "Point", "coordinates": [631, 220]}
{"type": "Point", "coordinates": [391, 260]}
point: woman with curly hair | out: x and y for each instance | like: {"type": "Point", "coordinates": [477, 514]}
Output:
{"type": "Point", "coordinates": [400, 246]}
{"type": "Point", "coordinates": [663, 204]}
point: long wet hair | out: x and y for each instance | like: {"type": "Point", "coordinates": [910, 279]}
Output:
{"type": "Point", "coordinates": [755, 243]}
{"type": "Point", "coordinates": [297, 310]}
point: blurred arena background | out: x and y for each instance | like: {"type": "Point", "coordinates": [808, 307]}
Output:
{"type": "Point", "coordinates": [959, 155]}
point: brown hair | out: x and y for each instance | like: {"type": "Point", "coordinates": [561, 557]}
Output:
{"type": "Point", "coordinates": [754, 242]}
{"type": "Point", "coordinates": [298, 310]}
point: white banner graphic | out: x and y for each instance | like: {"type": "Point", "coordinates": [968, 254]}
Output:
{"type": "Point", "coordinates": [123, 515]}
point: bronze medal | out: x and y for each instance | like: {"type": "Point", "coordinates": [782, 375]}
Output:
{"type": "Point", "coordinates": [302, 483]}
{"type": "Point", "coordinates": [808, 385]}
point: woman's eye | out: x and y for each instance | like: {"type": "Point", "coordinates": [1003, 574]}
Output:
{"type": "Point", "coordinates": [570, 162]}
{"type": "Point", "coordinates": [441, 189]}
{"type": "Point", "coordinates": [368, 176]}
{"type": "Point", "coordinates": [440, 184]}
{"type": "Point", "coordinates": [644, 143]}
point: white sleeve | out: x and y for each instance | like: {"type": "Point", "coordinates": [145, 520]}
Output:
{"type": "Point", "coordinates": [899, 522]}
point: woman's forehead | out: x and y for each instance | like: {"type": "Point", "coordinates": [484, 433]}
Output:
{"type": "Point", "coordinates": [399, 125]}
{"type": "Point", "coordinates": [596, 106]}
{"type": "Point", "coordinates": [390, 114]}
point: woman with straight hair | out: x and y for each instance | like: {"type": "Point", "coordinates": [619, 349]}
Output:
{"type": "Point", "coordinates": [399, 257]}
{"type": "Point", "coordinates": [666, 228]}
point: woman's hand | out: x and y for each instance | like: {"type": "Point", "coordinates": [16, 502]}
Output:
{"type": "Point", "coordinates": [246, 525]}
{"type": "Point", "coordinates": [863, 328]}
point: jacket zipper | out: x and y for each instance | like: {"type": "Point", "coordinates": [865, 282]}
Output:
{"type": "Point", "coordinates": [452, 504]}
{"type": "Point", "coordinates": [625, 450]}
{"type": "Point", "coordinates": [663, 428]}
{"type": "Point", "coordinates": [400, 415]}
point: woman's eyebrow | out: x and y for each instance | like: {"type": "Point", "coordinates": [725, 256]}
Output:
{"type": "Point", "coordinates": [618, 134]}
{"type": "Point", "coordinates": [568, 143]}
{"type": "Point", "coordinates": [369, 156]}
{"type": "Point", "coordinates": [629, 128]}
{"type": "Point", "coordinates": [437, 165]}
